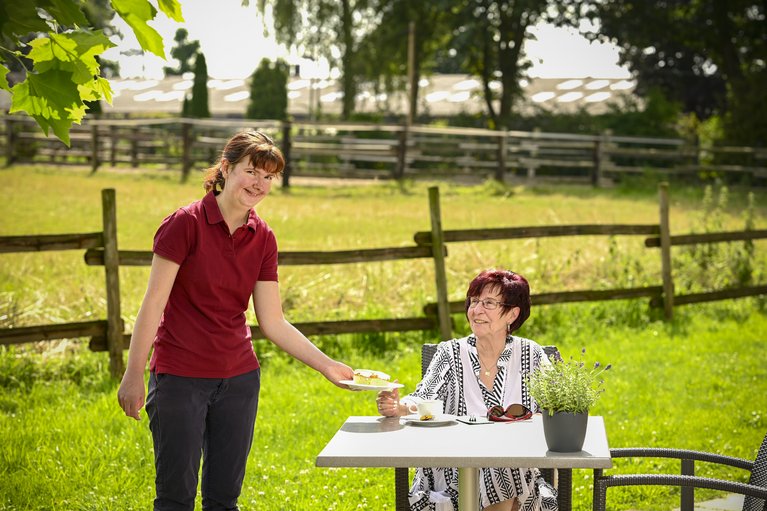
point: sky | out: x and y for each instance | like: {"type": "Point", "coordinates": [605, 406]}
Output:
{"type": "Point", "coordinates": [232, 38]}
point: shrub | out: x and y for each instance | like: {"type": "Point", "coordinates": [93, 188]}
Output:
{"type": "Point", "coordinates": [269, 91]}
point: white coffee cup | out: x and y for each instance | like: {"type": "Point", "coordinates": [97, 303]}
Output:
{"type": "Point", "coordinates": [433, 407]}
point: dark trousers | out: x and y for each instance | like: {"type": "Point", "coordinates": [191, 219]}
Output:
{"type": "Point", "coordinates": [190, 417]}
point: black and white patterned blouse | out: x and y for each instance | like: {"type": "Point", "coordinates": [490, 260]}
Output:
{"type": "Point", "coordinates": [436, 489]}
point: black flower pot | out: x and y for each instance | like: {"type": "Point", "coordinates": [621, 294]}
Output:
{"type": "Point", "coordinates": [565, 432]}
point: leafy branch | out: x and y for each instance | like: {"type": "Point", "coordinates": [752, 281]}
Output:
{"type": "Point", "coordinates": [65, 70]}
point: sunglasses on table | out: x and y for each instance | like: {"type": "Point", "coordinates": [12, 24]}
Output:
{"type": "Point", "coordinates": [514, 412]}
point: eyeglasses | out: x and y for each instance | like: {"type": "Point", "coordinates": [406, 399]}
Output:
{"type": "Point", "coordinates": [514, 412]}
{"type": "Point", "coordinates": [487, 303]}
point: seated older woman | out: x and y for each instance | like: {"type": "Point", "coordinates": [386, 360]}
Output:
{"type": "Point", "coordinates": [471, 375]}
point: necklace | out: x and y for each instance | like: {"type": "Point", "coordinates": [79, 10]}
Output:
{"type": "Point", "coordinates": [488, 370]}
{"type": "Point", "coordinates": [481, 365]}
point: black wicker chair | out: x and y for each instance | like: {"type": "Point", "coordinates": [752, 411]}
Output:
{"type": "Point", "coordinates": [402, 475]}
{"type": "Point", "coordinates": [755, 491]}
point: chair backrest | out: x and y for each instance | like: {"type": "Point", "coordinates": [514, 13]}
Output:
{"type": "Point", "coordinates": [428, 351]}
{"type": "Point", "coordinates": [552, 352]}
{"type": "Point", "coordinates": [758, 478]}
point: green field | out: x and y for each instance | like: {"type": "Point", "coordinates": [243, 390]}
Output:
{"type": "Point", "coordinates": [696, 382]}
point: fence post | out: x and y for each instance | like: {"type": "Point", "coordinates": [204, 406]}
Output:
{"type": "Point", "coordinates": [533, 154]}
{"type": "Point", "coordinates": [286, 148]}
{"type": "Point", "coordinates": [10, 139]}
{"type": "Point", "coordinates": [665, 251]}
{"type": "Point", "coordinates": [601, 144]}
{"type": "Point", "coordinates": [500, 170]}
{"type": "Point", "coordinates": [134, 147]}
{"type": "Point", "coordinates": [94, 147]}
{"type": "Point", "coordinates": [114, 335]}
{"type": "Point", "coordinates": [399, 170]}
{"type": "Point", "coordinates": [186, 150]}
{"type": "Point", "coordinates": [596, 171]}
{"type": "Point", "coordinates": [437, 252]}
{"type": "Point", "coordinates": [113, 144]}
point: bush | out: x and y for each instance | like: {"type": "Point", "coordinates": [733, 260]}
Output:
{"type": "Point", "coordinates": [269, 91]}
{"type": "Point", "coordinates": [712, 266]}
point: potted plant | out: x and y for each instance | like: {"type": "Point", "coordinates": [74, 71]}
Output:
{"type": "Point", "coordinates": [565, 391]}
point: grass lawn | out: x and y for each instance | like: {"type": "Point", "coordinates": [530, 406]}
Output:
{"type": "Point", "coordinates": [697, 382]}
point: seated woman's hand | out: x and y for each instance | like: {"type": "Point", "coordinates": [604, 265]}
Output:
{"type": "Point", "coordinates": [388, 403]}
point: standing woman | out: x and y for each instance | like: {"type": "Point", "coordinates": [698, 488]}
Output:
{"type": "Point", "coordinates": [210, 257]}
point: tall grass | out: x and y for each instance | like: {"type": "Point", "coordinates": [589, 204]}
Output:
{"type": "Point", "coordinates": [696, 382]}
{"type": "Point", "coordinates": [57, 286]}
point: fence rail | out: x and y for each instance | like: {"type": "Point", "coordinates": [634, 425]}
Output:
{"type": "Point", "coordinates": [109, 335]}
{"type": "Point", "coordinates": [37, 243]}
{"type": "Point", "coordinates": [380, 151]}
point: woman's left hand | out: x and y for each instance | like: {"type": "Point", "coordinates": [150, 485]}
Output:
{"type": "Point", "coordinates": [337, 371]}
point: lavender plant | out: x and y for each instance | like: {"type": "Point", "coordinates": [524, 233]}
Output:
{"type": "Point", "coordinates": [567, 386]}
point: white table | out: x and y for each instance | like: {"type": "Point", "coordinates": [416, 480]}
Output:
{"type": "Point", "coordinates": [389, 442]}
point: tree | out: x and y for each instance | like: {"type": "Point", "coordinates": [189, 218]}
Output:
{"type": "Point", "coordinates": [198, 105]}
{"type": "Point", "coordinates": [384, 51]}
{"type": "Point", "coordinates": [489, 38]}
{"type": "Point", "coordinates": [708, 55]}
{"type": "Point", "coordinates": [184, 51]}
{"type": "Point", "coordinates": [65, 72]}
{"type": "Point", "coordinates": [269, 91]}
{"type": "Point", "coordinates": [322, 28]}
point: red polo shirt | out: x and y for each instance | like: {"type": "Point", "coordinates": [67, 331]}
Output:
{"type": "Point", "coordinates": [202, 333]}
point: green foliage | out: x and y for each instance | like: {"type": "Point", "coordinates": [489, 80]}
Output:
{"type": "Point", "coordinates": [65, 71]}
{"type": "Point", "coordinates": [743, 124]}
{"type": "Point", "coordinates": [184, 51]}
{"type": "Point", "coordinates": [269, 91]}
{"type": "Point", "coordinates": [714, 266]}
{"type": "Point", "coordinates": [567, 386]}
{"type": "Point", "coordinates": [706, 55]}
{"type": "Point", "coordinates": [198, 104]}
{"type": "Point", "coordinates": [384, 51]}
{"type": "Point", "coordinates": [64, 362]}
{"type": "Point", "coordinates": [489, 37]}
{"type": "Point", "coordinates": [335, 28]}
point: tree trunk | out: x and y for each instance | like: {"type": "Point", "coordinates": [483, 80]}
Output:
{"type": "Point", "coordinates": [348, 81]}
{"type": "Point", "coordinates": [512, 30]}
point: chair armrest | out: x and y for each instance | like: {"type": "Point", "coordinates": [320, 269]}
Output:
{"type": "Point", "coordinates": [682, 454]}
{"type": "Point", "coordinates": [602, 483]}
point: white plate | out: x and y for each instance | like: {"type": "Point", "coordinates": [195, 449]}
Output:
{"type": "Point", "coordinates": [439, 420]}
{"type": "Point", "coordinates": [364, 386]}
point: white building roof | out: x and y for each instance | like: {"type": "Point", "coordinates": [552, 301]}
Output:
{"type": "Point", "coordinates": [439, 95]}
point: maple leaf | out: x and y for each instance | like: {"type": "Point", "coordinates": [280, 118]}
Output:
{"type": "Point", "coordinates": [136, 13]}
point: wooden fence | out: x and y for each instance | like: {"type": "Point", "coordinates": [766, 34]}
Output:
{"type": "Point", "coordinates": [382, 151]}
{"type": "Point", "coordinates": [108, 334]}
